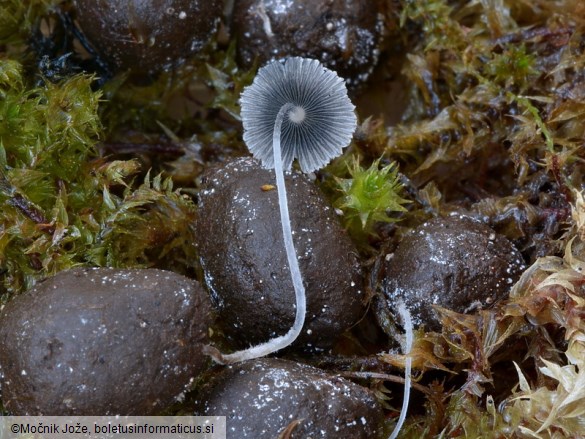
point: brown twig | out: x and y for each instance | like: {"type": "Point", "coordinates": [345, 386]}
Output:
{"type": "Point", "coordinates": [30, 211]}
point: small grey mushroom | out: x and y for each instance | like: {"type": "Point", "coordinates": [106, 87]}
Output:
{"type": "Point", "coordinates": [239, 242]}
{"type": "Point", "coordinates": [102, 342]}
{"type": "Point", "coordinates": [310, 102]}
{"type": "Point", "coordinates": [295, 108]}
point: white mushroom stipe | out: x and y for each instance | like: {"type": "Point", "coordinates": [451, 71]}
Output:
{"type": "Point", "coordinates": [295, 108]}
{"type": "Point", "coordinates": [406, 350]}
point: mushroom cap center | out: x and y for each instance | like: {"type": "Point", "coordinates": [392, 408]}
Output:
{"type": "Point", "coordinates": [297, 114]}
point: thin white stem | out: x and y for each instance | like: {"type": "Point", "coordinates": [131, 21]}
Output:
{"type": "Point", "coordinates": [406, 349]}
{"type": "Point", "coordinates": [285, 340]}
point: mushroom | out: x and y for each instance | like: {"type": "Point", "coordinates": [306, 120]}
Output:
{"type": "Point", "coordinates": [295, 108]}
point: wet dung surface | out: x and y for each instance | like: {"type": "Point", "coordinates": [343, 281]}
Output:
{"type": "Point", "coordinates": [102, 342]}
{"type": "Point", "coordinates": [262, 398]}
{"type": "Point", "coordinates": [344, 35]}
{"type": "Point", "coordinates": [454, 262]}
{"type": "Point", "coordinates": [242, 253]}
{"type": "Point", "coordinates": [147, 36]}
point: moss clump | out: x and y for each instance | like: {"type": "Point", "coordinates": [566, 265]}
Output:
{"type": "Point", "coordinates": [64, 206]}
{"type": "Point", "coordinates": [18, 17]}
{"type": "Point", "coordinates": [369, 196]}
{"type": "Point", "coordinates": [493, 128]}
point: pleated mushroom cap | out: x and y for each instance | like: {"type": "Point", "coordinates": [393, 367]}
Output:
{"type": "Point", "coordinates": [315, 131]}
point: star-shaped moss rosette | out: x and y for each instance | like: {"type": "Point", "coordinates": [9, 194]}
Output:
{"type": "Point", "coordinates": [369, 196]}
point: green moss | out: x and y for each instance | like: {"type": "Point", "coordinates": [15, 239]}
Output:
{"type": "Point", "coordinates": [147, 226]}
{"type": "Point", "coordinates": [515, 66]}
{"type": "Point", "coordinates": [17, 17]}
{"type": "Point", "coordinates": [62, 205]}
{"type": "Point", "coordinates": [435, 19]}
{"type": "Point", "coordinates": [46, 136]}
{"type": "Point", "coordinates": [370, 196]}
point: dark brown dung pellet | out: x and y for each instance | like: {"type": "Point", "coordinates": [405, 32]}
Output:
{"type": "Point", "coordinates": [344, 35]}
{"type": "Point", "coordinates": [262, 398]}
{"type": "Point", "coordinates": [102, 342]}
{"type": "Point", "coordinates": [454, 262]}
{"type": "Point", "coordinates": [242, 253]}
{"type": "Point", "coordinates": [147, 36]}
